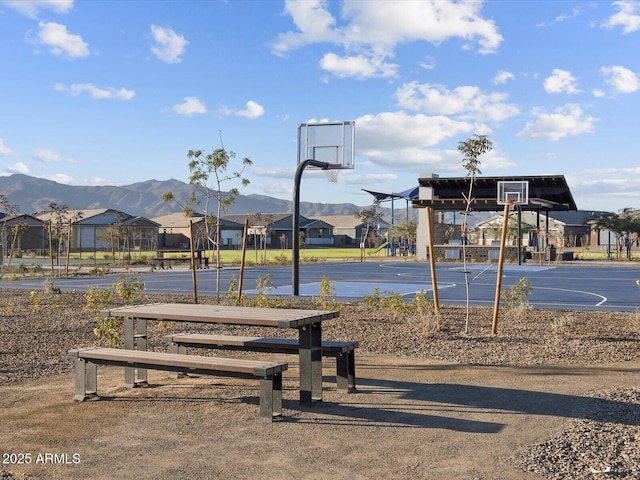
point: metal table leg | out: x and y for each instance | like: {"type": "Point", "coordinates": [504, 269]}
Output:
{"type": "Point", "coordinates": [310, 351]}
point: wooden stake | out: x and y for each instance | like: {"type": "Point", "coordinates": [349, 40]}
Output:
{"type": "Point", "coordinates": [244, 251]}
{"type": "Point", "coordinates": [432, 260]}
{"type": "Point", "coordinates": [193, 263]}
{"type": "Point", "coordinates": [503, 238]}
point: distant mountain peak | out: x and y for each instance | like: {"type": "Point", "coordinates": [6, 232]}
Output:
{"type": "Point", "coordinates": [33, 194]}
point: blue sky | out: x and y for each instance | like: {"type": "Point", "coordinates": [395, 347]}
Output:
{"type": "Point", "coordinates": [117, 92]}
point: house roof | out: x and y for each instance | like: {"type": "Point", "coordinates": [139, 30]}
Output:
{"type": "Point", "coordinates": [141, 221]}
{"type": "Point", "coordinates": [12, 219]}
{"type": "Point", "coordinates": [81, 215]}
{"type": "Point", "coordinates": [578, 218]}
{"type": "Point", "coordinates": [176, 220]}
{"type": "Point", "coordinates": [343, 221]}
{"type": "Point", "coordinates": [275, 221]}
{"type": "Point", "coordinates": [315, 223]}
{"type": "Point", "coordinates": [546, 192]}
{"type": "Point", "coordinates": [257, 219]}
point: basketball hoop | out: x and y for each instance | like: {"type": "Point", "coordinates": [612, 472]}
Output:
{"type": "Point", "coordinates": [332, 175]}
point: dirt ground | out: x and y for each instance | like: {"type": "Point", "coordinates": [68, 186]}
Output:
{"type": "Point", "coordinates": [410, 418]}
{"type": "Point", "coordinates": [430, 404]}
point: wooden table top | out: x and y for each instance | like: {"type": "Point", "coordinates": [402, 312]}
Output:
{"type": "Point", "coordinates": [189, 312]}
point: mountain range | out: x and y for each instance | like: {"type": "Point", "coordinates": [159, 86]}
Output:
{"type": "Point", "coordinates": [32, 195]}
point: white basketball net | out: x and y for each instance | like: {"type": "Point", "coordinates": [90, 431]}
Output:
{"type": "Point", "coordinates": [332, 175]}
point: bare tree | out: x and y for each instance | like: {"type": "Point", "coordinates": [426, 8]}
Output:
{"type": "Point", "coordinates": [370, 217]}
{"type": "Point", "coordinates": [471, 149]}
{"type": "Point", "coordinates": [9, 210]}
{"type": "Point", "coordinates": [208, 174]}
{"type": "Point", "coordinates": [623, 225]}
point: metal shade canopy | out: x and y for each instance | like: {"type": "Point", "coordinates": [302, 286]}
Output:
{"type": "Point", "coordinates": [546, 192]}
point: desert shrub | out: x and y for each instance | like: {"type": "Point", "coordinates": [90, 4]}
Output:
{"type": "Point", "coordinates": [327, 295]}
{"type": "Point", "coordinates": [563, 323]}
{"type": "Point", "coordinates": [110, 328]}
{"type": "Point", "coordinates": [517, 295]}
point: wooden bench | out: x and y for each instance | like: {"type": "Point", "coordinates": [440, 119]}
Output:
{"type": "Point", "coordinates": [161, 261]}
{"type": "Point", "coordinates": [344, 352]}
{"type": "Point", "coordinates": [270, 374]}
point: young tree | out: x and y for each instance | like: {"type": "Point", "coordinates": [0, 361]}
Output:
{"type": "Point", "coordinates": [471, 149]}
{"type": "Point", "coordinates": [407, 229]}
{"type": "Point", "coordinates": [208, 174]}
{"type": "Point", "coordinates": [16, 231]}
{"type": "Point", "coordinates": [370, 218]}
{"type": "Point", "coordinates": [623, 226]}
{"type": "Point", "coordinates": [9, 210]}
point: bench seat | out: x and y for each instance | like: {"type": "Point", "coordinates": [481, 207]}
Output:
{"type": "Point", "coordinates": [269, 373]}
{"type": "Point", "coordinates": [343, 351]}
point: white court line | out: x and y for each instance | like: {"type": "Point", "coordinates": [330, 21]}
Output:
{"type": "Point", "coordinates": [604, 299]}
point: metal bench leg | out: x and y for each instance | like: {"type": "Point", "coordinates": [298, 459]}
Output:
{"type": "Point", "coordinates": [86, 379]}
{"type": "Point", "coordinates": [277, 394]}
{"type": "Point", "coordinates": [270, 397]}
{"type": "Point", "coordinates": [182, 350]}
{"type": "Point", "coordinates": [351, 356]}
{"type": "Point", "coordinates": [135, 341]}
{"type": "Point", "coordinates": [342, 372]}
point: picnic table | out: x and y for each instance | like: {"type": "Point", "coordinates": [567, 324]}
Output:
{"type": "Point", "coordinates": [307, 322]}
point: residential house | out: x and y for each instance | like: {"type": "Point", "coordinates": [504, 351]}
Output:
{"type": "Point", "coordinates": [558, 228]}
{"type": "Point", "coordinates": [174, 232]}
{"type": "Point", "coordinates": [274, 228]}
{"type": "Point", "coordinates": [102, 229]}
{"type": "Point", "coordinates": [31, 234]}
{"type": "Point", "coordinates": [349, 230]}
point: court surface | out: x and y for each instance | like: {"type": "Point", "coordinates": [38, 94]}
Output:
{"type": "Point", "coordinates": [574, 287]}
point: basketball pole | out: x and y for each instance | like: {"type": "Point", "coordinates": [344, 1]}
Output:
{"type": "Point", "coordinates": [503, 238]}
{"type": "Point", "coordinates": [295, 230]}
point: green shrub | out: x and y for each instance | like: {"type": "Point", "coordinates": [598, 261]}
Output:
{"type": "Point", "coordinates": [517, 295]}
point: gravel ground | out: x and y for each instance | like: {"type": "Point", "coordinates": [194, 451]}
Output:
{"type": "Point", "coordinates": [38, 328]}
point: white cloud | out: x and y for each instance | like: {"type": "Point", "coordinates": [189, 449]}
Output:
{"type": "Point", "coordinates": [617, 187]}
{"type": "Point", "coordinates": [97, 93]}
{"type": "Point", "coordinates": [48, 156]}
{"type": "Point", "coordinates": [566, 16]}
{"type": "Point", "coordinates": [169, 46]}
{"type": "Point", "coordinates": [565, 121]}
{"type": "Point", "coordinates": [628, 16]}
{"type": "Point", "coordinates": [18, 168]}
{"type": "Point", "coordinates": [468, 102]}
{"type": "Point", "coordinates": [4, 150]}
{"type": "Point", "coordinates": [503, 77]}
{"type": "Point", "coordinates": [31, 8]}
{"type": "Point", "coordinates": [370, 30]}
{"type": "Point", "coordinates": [62, 42]}
{"type": "Point", "coordinates": [273, 172]}
{"type": "Point", "coordinates": [252, 111]}
{"type": "Point", "coordinates": [401, 141]}
{"type": "Point", "coordinates": [428, 63]}
{"type": "Point", "coordinates": [597, 93]}
{"type": "Point", "coordinates": [60, 178]}
{"type": "Point", "coordinates": [560, 81]}
{"type": "Point", "coordinates": [359, 66]}
{"type": "Point", "coordinates": [621, 79]}
{"type": "Point", "coordinates": [191, 106]}
{"type": "Point", "coordinates": [276, 188]}
{"type": "Point", "coordinates": [69, 180]}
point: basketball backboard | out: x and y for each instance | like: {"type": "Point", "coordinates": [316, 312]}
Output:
{"type": "Point", "coordinates": [329, 142]}
{"type": "Point", "coordinates": [513, 192]}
